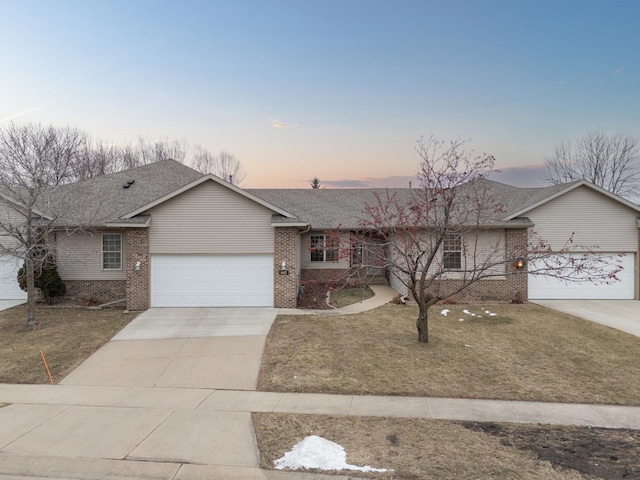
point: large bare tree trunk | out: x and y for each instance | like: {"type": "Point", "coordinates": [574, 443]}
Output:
{"type": "Point", "coordinates": [423, 325]}
{"type": "Point", "coordinates": [31, 293]}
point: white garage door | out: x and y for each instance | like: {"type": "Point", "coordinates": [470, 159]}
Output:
{"type": "Point", "coordinates": [212, 281]}
{"type": "Point", "coordinates": [9, 289]}
{"type": "Point", "coordinates": [547, 288]}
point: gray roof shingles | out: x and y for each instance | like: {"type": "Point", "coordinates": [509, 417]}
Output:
{"type": "Point", "coordinates": [103, 200]}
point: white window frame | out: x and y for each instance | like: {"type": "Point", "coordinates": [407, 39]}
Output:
{"type": "Point", "coordinates": [106, 264]}
{"type": "Point", "coordinates": [318, 246]}
{"type": "Point", "coordinates": [452, 252]}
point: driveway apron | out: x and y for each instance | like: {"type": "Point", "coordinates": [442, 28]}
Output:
{"type": "Point", "coordinates": [214, 348]}
{"type": "Point", "coordinates": [622, 315]}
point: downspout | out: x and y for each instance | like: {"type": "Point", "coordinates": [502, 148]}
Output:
{"type": "Point", "coordinates": [300, 258]}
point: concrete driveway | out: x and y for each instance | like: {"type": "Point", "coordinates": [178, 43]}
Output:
{"type": "Point", "coordinates": [217, 348]}
{"type": "Point", "coordinates": [619, 314]}
{"type": "Point", "coordinates": [7, 304]}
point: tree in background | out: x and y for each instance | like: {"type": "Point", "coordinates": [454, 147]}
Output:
{"type": "Point", "coordinates": [99, 158]}
{"type": "Point", "coordinates": [315, 183]}
{"type": "Point", "coordinates": [611, 162]}
{"type": "Point", "coordinates": [224, 165]}
{"type": "Point", "coordinates": [434, 238]}
{"type": "Point", "coordinates": [35, 161]}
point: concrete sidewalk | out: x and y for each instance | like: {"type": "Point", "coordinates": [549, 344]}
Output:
{"type": "Point", "coordinates": [132, 432]}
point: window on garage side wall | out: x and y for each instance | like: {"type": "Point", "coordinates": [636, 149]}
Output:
{"type": "Point", "coordinates": [112, 251]}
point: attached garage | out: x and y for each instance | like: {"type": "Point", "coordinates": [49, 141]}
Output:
{"type": "Point", "coordinates": [548, 288]}
{"type": "Point", "coordinates": [212, 280]}
{"type": "Point", "coordinates": [9, 288]}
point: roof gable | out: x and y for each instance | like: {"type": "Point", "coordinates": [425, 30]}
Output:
{"type": "Point", "coordinates": [199, 181]}
{"type": "Point", "coordinates": [559, 190]}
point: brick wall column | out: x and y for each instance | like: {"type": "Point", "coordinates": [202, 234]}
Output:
{"type": "Point", "coordinates": [137, 280]}
{"type": "Point", "coordinates": [285, 287]}
{"type": "Point", "coordinates": [517, 246]}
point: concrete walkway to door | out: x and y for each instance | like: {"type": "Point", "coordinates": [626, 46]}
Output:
{"type": "Point", "coordinates": [622, 315]}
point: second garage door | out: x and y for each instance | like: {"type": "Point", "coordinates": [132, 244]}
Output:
{"type": "Point", "coordinates": [212, 281]}
{"type": "Point", "coordinates": [548, 288]}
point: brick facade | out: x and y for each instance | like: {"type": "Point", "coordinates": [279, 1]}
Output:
{"type": "Point", "coordinates": [95, 292]}
{"type": "Point", "coordinates": [138, 283]}
{"type": "Point", "coordinates": [285, 287]}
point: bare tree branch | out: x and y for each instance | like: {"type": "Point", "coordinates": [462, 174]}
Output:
{"type": "Point", "coordinates": [224, 165]}
{"type": "Point", "coordinates": [611, 162]}
{"type": "Point", "coordinates": [35, 161]}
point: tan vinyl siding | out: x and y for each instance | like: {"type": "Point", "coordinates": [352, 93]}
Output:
{"type": "Point", "coordinates": [595, 219]}
{"type": "Point", "coordinates": [79, 257]}
{"type": "Point", "coordinates": [478, 247]}
{"type": "Point", "coordinates": [210, 218]}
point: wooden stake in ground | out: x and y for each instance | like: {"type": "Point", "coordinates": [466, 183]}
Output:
{"type": "Point", "coordinates": [44, 360]}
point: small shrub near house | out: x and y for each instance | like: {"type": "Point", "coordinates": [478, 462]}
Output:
{"type": "Point", "coordinates": [47, 279]}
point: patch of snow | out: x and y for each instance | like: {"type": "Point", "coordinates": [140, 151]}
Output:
{"type": "Point", "coordinates": [444, 312]}
{"type": "Point", "coordinates": [467, 345]}
{"type": "Point", "coordinates": [318, 452]}
{"type": "Point", "coordinates": [492, 314]}
{"type": "Point", "coordinates": [461, 320]}
{"type": "Point", "coordinates": [466, 311]}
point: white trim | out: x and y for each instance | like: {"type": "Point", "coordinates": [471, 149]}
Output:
{"type": "Point", "coordinates": [102, 252]}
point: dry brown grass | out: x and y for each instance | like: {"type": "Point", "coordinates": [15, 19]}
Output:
{"type": "Point", "coordinates": [525, 352]}
{"type": "Point", "coordinates": [67, 336]}
{"type": "Point", "coordinates": [349, 296]}
{"type": "Point", "coordinates": [413, 449]}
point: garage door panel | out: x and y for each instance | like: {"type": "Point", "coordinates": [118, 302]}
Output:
{"type": "Point", "coordinates": [9, 288]}
{"type": "Point", "coordinates": [548, 288]}
{"type": "Point", "coordinates": [211, 280]}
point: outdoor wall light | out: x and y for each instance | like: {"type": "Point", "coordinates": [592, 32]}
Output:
{"type": "Point", "coordinates": [138, 265]}
{"type": "Point", "coordinates": [283, 269]}
{"type": "Point", "coordinates": [519, 264]}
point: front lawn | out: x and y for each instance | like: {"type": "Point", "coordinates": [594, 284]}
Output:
{"type": "Point", "coordinates": [523, 352]}
{"type": "Point", "coordinates": [66, 336]}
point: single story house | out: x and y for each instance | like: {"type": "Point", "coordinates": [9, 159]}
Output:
{"type": "Point", "coordinates": [164, 235]}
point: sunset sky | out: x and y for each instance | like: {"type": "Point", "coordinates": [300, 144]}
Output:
{"type": "Point", "coordinates": [341, 90]}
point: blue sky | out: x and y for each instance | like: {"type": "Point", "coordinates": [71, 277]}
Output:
{"type": "Point", "coordinates": [341, 90]}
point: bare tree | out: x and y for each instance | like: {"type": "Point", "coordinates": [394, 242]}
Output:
{"type": "Point", "coordinates": [35, 161]}
{"type": "Point", "coordinates": [145, 152]}
{"type": "Point", "coordinates": [95, 159]}
{"type": "Point", "coordinates": [315, 183]}
{"type": "Point", "coordinates": [608, 161]}
{"type": "Point", "coordinates": [436, 239]}
{"type": "Point", "coordinates": [224, 165]}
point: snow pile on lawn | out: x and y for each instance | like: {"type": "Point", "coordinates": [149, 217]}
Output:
{"type": "Point", "coordinates": [318, 452]}
{"type": "Point", "coordinates": [446, 311]}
